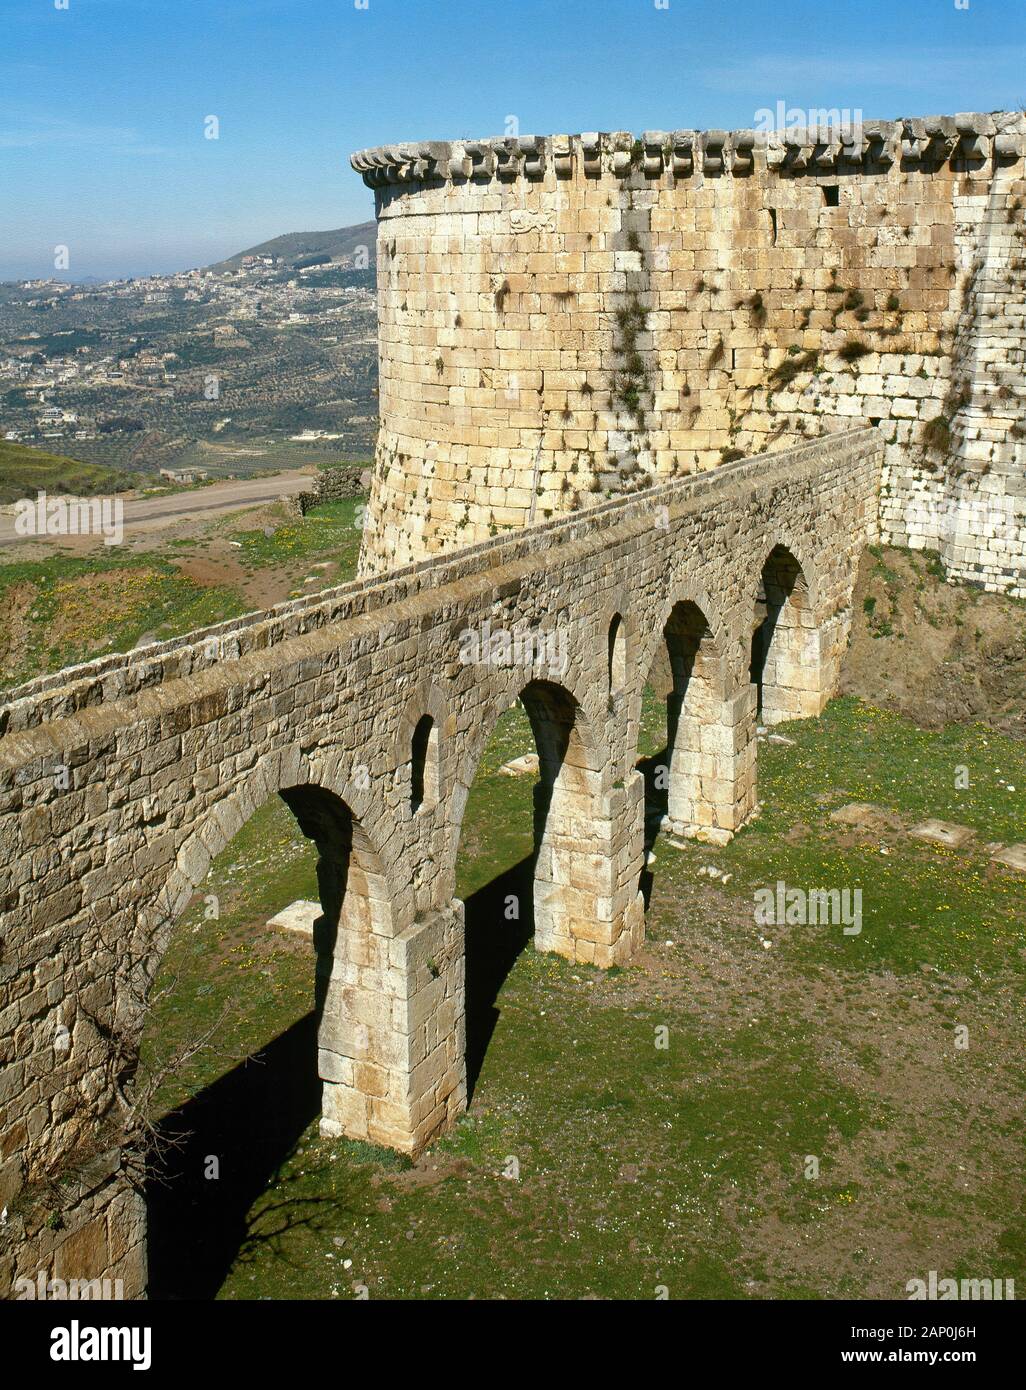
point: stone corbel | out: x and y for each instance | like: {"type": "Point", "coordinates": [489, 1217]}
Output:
{"type": "Point", "coordinates": [796, 151]}
{"type": "Point", "coordinates": [401, 161]}
{"type": "Point", "coordinates": [562, 156]}
{"type": "Point", "coordinates": [776, 150]}
{"type": "Point", "coordinates": [532, 147]}
{"type": "Point", "coordinates": [853, 147]}
{"type": "Point", "coordinates": [826, 147]}
{"type": "Point", "coordinates": [482, 159]}
{"type": "Point", "coordinates": [654, 142]}
{"type": "Point", "coordinates": [507, 160]}
{"type": "Point", "coordinates": [460, 164]}
{"type": "Point", "coordinates": [972, 143]}
{"type": "Point", "coordinates": [1008, 145]}
{"type": "Point", "coordinates": [878, 146]}
{"type": "Point", "coordinates": [380, 166]}
{"type": "Point", "coordinates": [713, 142]}
{"type": "Point", "coordinates": [591, 154]}
{"type": "Point", "coordinates": [941, 137]}
{"type": "Point", "coordinates": [742, 152]}
{"type": "Point", "coordinates": [623, 145]}
{"type": "Point", "coordinates": [913, 141]}
{"type": "Point", "coordinates": [683, 158]}
{"type": "Point", "coordinates": [425, 164]}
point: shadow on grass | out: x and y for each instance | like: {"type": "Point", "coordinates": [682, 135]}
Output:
{"type": "Point", "coordinates": [493, 945]}
{"type": "Point", "coordinates": [250, 1120]}
{"type": "Point", "coordinates": [657, 805]}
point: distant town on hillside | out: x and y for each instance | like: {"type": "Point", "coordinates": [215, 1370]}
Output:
{"type": "Point", "coordinates": [267, 359]}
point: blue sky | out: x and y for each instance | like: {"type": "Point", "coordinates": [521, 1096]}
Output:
{"type": "Point", "coordinates": [102, 103]}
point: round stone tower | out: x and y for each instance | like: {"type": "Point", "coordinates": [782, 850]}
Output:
{"type": "Point", "coordinates": [566, 317]}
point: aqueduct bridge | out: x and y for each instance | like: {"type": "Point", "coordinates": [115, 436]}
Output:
{"type": "Point", "coordinates": [367, 709]}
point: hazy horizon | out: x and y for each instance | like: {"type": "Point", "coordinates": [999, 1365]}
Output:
{"type": "Point", "coordinates": [107, 107]}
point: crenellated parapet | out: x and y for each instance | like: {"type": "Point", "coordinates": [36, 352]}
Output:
{"type": "Point", "coordinates": [970, 139]}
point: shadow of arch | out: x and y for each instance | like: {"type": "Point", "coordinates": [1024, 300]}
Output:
{"type": "Point", "coordinates": [491, 954]}
{"type": "Point", "coordinates": [421, 749]}
{"type": "Point", "coordinates": [251, 1117]}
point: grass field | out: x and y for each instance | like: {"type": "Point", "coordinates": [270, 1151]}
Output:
{"type": "Point", "coordinates": [69, 608]}
{"type": "Point", "coordinates": [642, 1168]}
{"type": "Point", "coordinates": [24, 472]}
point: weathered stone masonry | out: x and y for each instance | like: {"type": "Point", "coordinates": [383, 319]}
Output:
{"type": "Point", "coordinates": [122, 779]}
{"type": "Point", "coordinates": [568, 316]}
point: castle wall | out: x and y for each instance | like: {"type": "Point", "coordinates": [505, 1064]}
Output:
{"type": "Point", "coordinates": [570, 317]}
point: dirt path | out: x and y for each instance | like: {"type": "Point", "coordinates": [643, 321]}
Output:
{"type": "Point", "coordinates": [152, 513]}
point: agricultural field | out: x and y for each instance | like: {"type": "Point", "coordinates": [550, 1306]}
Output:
{"type": "Point", "coordinates": [24, 472]}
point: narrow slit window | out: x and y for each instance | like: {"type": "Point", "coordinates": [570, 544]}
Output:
{"type": "Point", "coordinates": [617, 655]}
{"type": "Point", "coordinates": [424, 758]}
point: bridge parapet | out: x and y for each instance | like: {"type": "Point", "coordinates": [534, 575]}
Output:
{"type": "Point", "coordinates": [121, 675]}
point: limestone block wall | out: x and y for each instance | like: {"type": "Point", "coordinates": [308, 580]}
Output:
{"type": "Point", "coordinates": [367, 710]}
{"type": "Point", "coordinates": [566, 318]}
{"type": "Point", "coordinates": [336, 484]}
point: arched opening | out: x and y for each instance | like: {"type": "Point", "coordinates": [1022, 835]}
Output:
{"type": "Point", "coordinates": [424, 764]}
{"type": "Point", "coordinates": [565, 805]}
{"type": "Point", "coordinates": [254, 1029]}
{"type": "Point", "coordinates": [532, 861]}
{"type": "Point", "coordinates": [617, 655]}
{"type": "Point", "coordinates": [784, 656]}
{"type": "Point", "coordinates": [679, 713]}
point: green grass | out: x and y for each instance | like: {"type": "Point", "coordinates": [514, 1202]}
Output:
{"type": "Point", "coordinates": [83, 606]}
{"type": "Point", "coordinates": [25, 471]}
{"type": "Point", "coordinates": [86, 606]}
{"type": "Point", "coordinates": [576, 1129]}
{"type": "Point", "coordinates": [333, 528]}
{"type": "Point", "coordinates": [260, 980]}
{"type": "Point", "coordinates": [683, 1168]}
{"type": "Point", "coordinates": [498, 827]}
{"type": "Point", "coordinates": [921, 905]}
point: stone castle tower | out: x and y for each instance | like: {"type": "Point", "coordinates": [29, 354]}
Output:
{"type": "Point", "coordinates": [568, 317]}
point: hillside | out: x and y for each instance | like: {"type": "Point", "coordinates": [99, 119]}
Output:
{"type": "Point", "coordinates": [294, 245]}
{"type": "Point", "coordinates": [24, 471]}
{"type": "Point", "coordinates": [933, 652]}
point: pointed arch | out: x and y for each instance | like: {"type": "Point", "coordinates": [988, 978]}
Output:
{"type": "Point", "coordinates": [702, 785]}
{"type": "Point", "coordinates": [785, 648]}
{"type": "Point", "coordinates": [362, 1033]}
{"type": "Point", "coordinates": [422, 746]}
{"type": "Point", "coordinates": [577, 907]}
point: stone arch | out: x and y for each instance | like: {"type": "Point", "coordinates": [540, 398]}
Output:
{"type": "Point", "coordinates": [363, 988]}
{"type": "Point", "coordinates": [785, 667]}
{"type": "Point", "coordinates": [705, 787]}
{"type": "Point", "coordinates": [579, 906]}
{"type": "Point", "coordinates": [654, 641]}
{"type": "Point", "coordinates": [616, 622]}
{"type": "Point", "coordinates": [616, 654]}
{"type": "Point", "coordinates": [424, 752]}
